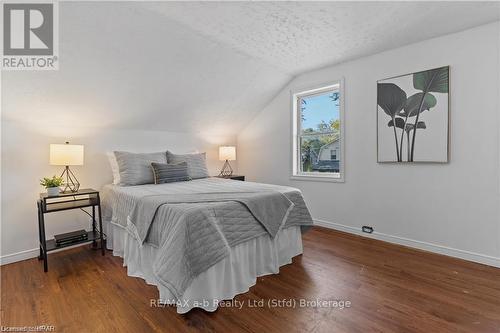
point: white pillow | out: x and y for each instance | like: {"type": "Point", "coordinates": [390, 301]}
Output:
{"type": "Point", "coordinates": [114, 167]}
{"type": "Point", "coordinates": [135, 168]}
{"type": "Point", "coordinates": [197, 163]}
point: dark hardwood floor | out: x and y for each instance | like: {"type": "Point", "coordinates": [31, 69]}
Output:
{"type": "Point", "coordinates": [391, 289]}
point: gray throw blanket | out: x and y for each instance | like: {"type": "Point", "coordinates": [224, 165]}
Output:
{"type": "Point", "coordinates": [201, 227]}
{"type": "Point", "coordinates": [270, 208]}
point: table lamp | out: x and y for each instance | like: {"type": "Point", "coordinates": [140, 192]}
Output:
{"type": "Point", "coordinates": [227, 153]}
{"type": "Point", "coordinates": [66, 154]}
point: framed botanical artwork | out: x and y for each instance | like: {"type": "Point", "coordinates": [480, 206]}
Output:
{"type": "Point", "coordinates": [413, 117]}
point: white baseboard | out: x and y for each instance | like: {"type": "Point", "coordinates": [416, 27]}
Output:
{"type": "Point", "coordinates": [19, 256]}
{"type": "Point", "coordinates": [29, 254]}
{"type": "Point", "coordinates": [447, 251]}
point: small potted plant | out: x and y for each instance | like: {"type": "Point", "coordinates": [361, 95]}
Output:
{"type": "Point", "coordinates": [52, 185]}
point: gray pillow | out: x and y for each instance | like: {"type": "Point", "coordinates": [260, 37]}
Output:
{"type": "Point", "coordinates": [135, 168]}
{"type": "Point", "coordinates": [197, 164]}
{"type": "Point", "coordinates": [170, 173]}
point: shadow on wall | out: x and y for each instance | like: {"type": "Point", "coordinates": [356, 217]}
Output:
{"type": "Point", "coordinates": [25, 159]}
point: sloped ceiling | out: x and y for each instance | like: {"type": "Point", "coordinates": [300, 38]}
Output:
{"type": "Point", "coordinates": [208, 66]}
{"type": "Point", "coordinates": [300, 36]}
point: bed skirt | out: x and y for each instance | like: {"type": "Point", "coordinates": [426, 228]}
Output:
{"type": "Point", "coordinates": [229, 277]}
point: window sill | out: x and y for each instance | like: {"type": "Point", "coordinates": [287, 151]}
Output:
{"type": "Point", "coordinates": [318, 178]}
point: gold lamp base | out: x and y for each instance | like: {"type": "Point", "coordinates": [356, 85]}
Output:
{"type": "Point", "coordinates": [71, 182]}
{"type": "Point", "coordinates": [226, 171]}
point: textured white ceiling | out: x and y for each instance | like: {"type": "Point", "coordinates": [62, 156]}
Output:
{"type": "Point", "coordinates": [207, 66]}
{"type": "Point", "coordinates": [123, 66]}
{"type": "Point", "coordinates": [300, 36]}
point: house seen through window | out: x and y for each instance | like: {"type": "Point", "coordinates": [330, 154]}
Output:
{"type": "Point", "coordinates": [318, 132]}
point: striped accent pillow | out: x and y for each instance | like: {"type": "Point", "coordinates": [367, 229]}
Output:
{"type": "Point", "coordinates": [169, 173]}
{"type": "Point", "coordinates": [197, 164]}
{"type": "Point", "coordinates": [135, 168]}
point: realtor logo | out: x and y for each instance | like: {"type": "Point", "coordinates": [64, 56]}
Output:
{"type": "Point", "coordinates": [29, 36]}
{"type": "Point", "coordinates": [28, 29]}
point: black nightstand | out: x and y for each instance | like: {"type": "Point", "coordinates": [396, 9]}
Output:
{"type": "Point", "coordinates": [66, 201]}
{"type": "Point", "coordinates": [233, 177]}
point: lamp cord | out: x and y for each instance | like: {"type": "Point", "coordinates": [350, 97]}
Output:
{"type": "Point", "coordinates": [83, 210]}
{"type": "Point", "coordinates": [90, 215]}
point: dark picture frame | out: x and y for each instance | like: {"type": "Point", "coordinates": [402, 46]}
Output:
{"type": "Point", "coordinates": [411, 107]}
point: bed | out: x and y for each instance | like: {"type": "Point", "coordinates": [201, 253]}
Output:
{"type": "Point", "coordinates": [204, 241]}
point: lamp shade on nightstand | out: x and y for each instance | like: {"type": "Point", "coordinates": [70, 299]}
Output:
{"type": "Point", "coordinates": [227, 153]}
{"type": "Point", "coordinates": [66, 154]}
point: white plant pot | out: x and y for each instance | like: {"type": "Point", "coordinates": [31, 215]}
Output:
{"type": "Point", "coordinates": [53, 191]}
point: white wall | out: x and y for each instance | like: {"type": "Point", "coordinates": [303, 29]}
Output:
{"type": "Point", "coordinates": [451, 208]}
{"type": "Point", "coordinates": [25, 159]}
{"type": "Point", "coordinates": [115, 85]}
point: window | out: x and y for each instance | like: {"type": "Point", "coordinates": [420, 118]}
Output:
{"type": "Point", "coordinates": [333, 155]}
{"type": "Point", "coordinates": [318, 133]}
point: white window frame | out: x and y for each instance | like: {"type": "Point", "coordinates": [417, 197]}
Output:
{"type": "Point", "coordinates": [296, 174]}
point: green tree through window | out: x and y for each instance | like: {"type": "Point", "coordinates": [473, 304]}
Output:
{"type": "Point", "coordinates": [319, 131]}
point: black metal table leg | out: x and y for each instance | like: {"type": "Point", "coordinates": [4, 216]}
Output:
{"type": "Point", "coordinates": [101, 232]}
{"type": "Point", "coordinates": [93, 226]}
{"type": "Point", "coordinates": [39, 208]}
{"type": "Point", "coordinates": [43, 239]}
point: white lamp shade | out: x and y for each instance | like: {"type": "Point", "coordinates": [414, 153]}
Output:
{"type": "Point", "coordinates": [65, 154]}
{"type": "Point", "coordinates": [227, 153]}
